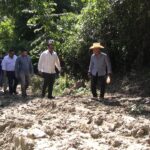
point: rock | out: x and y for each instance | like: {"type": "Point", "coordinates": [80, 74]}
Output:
{"type": "Point", "coordinates": [148, 141]}
{"type": "Point", "coordinates": [36, 133]}
{"type": "Point", "coordinates": [95, 134]}
{"type": "Point", "coordinates": [84, 128]}
{"type": "Point", "coordinates": [79, 84]}
{"type": "Point", "coordinates": [71, 109]}
{"type": "Point", "coordinates": [134, 132]}
{"type": "Point", "coordinates": [67, 91]}
{"type": "Point", "coordinates": [90, 120]}
{"type": "Point", "coordinates": [112, 128]}
{"type": "Point", "coordinates": [141, 131]}
{"type": "Point", "coordinates": [49, 132]}
{"type": "Point", "coordinates": [116, 143]}
{"type": "Point", "coordinates": [70, 130]}
{"type": "Point", "coordinates": [98, 121]}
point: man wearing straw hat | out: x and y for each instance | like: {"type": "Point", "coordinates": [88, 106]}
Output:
{"type": "Point", "coordinates": [99, 70]}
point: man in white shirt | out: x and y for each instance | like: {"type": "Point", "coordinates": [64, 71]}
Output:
{"type": "Point", "coordinates": [8, 67]}
{"type": "Point", "coordinates": [46, 67]}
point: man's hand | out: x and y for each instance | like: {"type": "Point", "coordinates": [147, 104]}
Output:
{"type": "Point", "coordinates": [108, 79]}
{"type": "Point", "coordinates": [40, 73]}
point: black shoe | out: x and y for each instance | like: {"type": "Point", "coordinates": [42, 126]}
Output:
{"type": "Point", "coordinates": [42, 96]}
{"type": "Point", "coordinates": [51, 97]}
{"type": "Point", "coordinates": [24, 95]}
{"type": "Point", "coordinates": [16, 93]}
{"type": "Point", "coordinates": [94, 98]}
{"type": "Point", "coordinates": [101, 99]}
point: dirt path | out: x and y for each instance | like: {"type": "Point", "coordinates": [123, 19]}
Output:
{"type": "Point", "coordinates": [72, 123]}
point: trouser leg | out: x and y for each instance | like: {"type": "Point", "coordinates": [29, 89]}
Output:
{"type": "Point", "coordinates": [10, 81]}
{"type": "Point", "coordinates": [51, 84]}
{"type": "Point", "coordinates": [27, 80]}
{"type": "Point", "coordinates": [45, 84]}
{"type": "Point", "coordinates": [15, 83]}
{"type": "Point", "coordinates": [1, 79]}
{"type": "Point", "coordinates": [102, 81]}
{"type": "Point", "coordinates": [23, 84]}
{"type": "Point", "coordinates": [5, 82]}
{"type": "Point", "coordinates": [94, 80]}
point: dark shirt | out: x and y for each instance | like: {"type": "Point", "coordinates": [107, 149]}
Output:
{"type": "Point", "coordinates": [24, 65]}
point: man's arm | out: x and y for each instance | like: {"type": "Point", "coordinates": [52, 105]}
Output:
{"type": "Point", "coordinates": [31, 66]}
{"type": "Point", "coordinates": [57, 63]}
{"type": "Point", "coordinates": [40, 63]}
{"type": "Point", "coordinates": [17, 67]}
{"type": "Point", "coordinates": [90, 66]}
{"type": "Point", "coordinates": [4, 64]}
{"type": "Point", "coordinates": [108, 64]}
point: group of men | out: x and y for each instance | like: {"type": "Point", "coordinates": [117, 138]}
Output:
{"type": "Point", "coordinates": [16, 69]}
{"type": "Point", "coordinates": [20, 69]}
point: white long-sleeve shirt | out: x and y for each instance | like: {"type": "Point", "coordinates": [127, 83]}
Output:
{"type": "Point", "coordinates": [48, 61]}
{"type": "Point", "coordinates": [8, 63]}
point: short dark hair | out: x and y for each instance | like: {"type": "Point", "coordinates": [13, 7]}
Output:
{"type": "Point", "coordinates": [50, 41]}
{"type": "Point", "coordinates": [11, 50]}
{"type": "Point", "coordinates": [24, 50]}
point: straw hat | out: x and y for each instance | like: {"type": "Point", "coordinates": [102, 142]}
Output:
{"type": "Point", "coordinates": [96, 45]}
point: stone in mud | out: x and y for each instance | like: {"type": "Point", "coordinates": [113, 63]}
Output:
{"type": "Point", "coordinates": [90, 120]}
{"type": "Point", "coordinates": [49, 132]}
{"type": "Point", "coordinates": [148, 141]}
{"type": "Point", "coordinates": [98, 121]}
{"type": "Point", "coordinates": [84, 128]}
{"type": "Point", "coordinates": [35, 133]}
{"type": "Point", "coordinates": [95, 134]}
{"type": "Point", "coordinates": [70, 130]}
{"type": "Point", "coordinates": [116, 143]}
{"type": "Point", "coordinates": [140, 132]}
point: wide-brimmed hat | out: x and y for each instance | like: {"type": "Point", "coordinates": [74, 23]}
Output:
{"type": "Point", "coordinates": [96, 45]}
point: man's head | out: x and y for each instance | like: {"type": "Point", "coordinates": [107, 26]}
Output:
{"type": "Point", "coordinates": [96, 47]}
{"type": "Point", "coordinates": [24, 52]}
{"type": "Point", "coordinates": [50, 44]}
{"type": "Point", "coordinates": [11, 53]}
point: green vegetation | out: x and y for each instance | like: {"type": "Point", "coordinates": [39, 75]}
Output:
{"type": "Point", "coordinates": [122, 26]}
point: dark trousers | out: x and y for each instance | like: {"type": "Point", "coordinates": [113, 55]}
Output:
{"type": "Point", "coordinates": [12, 81]}
{"type": "Point", "coordinates": [100, 82]}
{"type": "Point", "coordinates": [49, 80]}
{"type": "Point", "coordinates": [1, 78]}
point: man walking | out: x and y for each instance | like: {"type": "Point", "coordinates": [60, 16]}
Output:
{"type": "Point", "coordinates": [24, 70]}
{"type": "Point", "coordinates": [1, 72]}
{"type": "Point", "coordinates": [99, 69]}
{"type": "Point", "coordinates": [46, 66]}
{"type": "Point", "coordinates": [8, 67]}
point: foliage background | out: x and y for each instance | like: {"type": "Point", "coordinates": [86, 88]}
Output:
{"type": "Point", "coordinates": [122, 26]}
